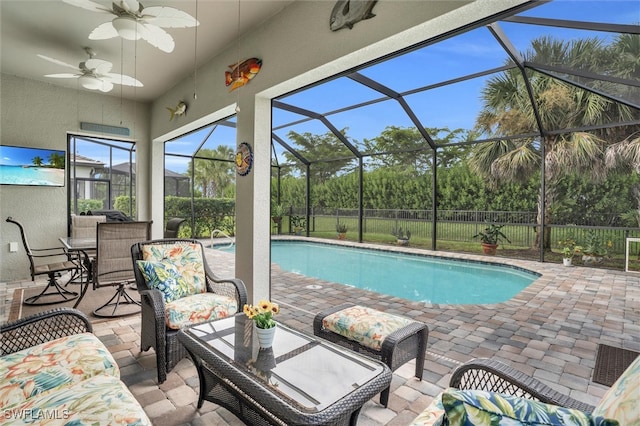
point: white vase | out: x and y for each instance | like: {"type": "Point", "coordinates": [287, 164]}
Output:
{"type": "Point", "coordinates": [566, 261]}
{"type": "Point", "coordinates": [265, 335]}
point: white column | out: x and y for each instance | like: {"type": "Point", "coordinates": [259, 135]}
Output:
{"type": "Point", "coordinates": [252, 200]}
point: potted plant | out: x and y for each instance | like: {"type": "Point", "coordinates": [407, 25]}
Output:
{"type": "Point", "coordinates": [262, 316]}
{"type": "Point", "coordinates": [402, 239]}
{"type": "Point", "coordinates": [594, 249]}
{"type": "Point", "coordinates": [341, 229]}
{"type": "Point", "coordinates": [277, 212]}
{"type": "Point", "coordinates": [298, 223]}
{"type": "Point", "coordinates": [490, 238]}
{"type": "Point", "coordinates": [569, 249]}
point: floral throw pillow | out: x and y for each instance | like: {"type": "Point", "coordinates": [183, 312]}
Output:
{"type": "Point", "coordinates": [164, 276]}
{"type": "Point", "coordinates": [187, 258]}
{"type": "Point", "coordinates": [474, 407]}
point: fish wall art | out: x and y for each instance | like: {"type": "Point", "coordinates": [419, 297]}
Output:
{"type": "Point", "coordinates": [242, 72]}
{"type": "Point", "coordinates": [346, 13]}
{"type": "Point", "coordinates": [180, 109]}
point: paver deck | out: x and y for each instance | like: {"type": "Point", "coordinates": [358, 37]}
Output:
{"type": "Point", "coordinates": [550, 330]}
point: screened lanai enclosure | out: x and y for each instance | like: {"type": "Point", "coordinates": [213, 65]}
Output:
{"type": "Point", "coordinates": [528, 122]}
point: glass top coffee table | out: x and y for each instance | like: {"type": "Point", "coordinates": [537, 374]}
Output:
{"type": "Point", "coordinates": [300, 380]}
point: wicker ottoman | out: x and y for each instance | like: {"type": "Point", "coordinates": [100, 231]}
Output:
{"type": "Point", "coordinates": [390, 338]}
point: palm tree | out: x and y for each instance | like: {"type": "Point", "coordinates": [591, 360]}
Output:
{"type": "Point", "coordinates": [212, 175]}
{"type": "Point", "coordinates": [508, 111]}
{"type": "Point", "coordinates": [37, 161]}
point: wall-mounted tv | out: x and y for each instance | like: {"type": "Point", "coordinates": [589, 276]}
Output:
{"type": "Point", "coordinates": [32, 166]}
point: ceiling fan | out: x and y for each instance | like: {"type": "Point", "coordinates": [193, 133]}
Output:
{"type": "Point", "coordinates": [93, 74]}
{"type": "Point", "coordinates": [134, 21]}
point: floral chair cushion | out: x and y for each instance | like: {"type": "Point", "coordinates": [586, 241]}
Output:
{"type": "Point", "coordinates": [187, 258]}
{"type": "Point", "coordinates": [366, 326]}
{"type": "Point", "coordinates": [475, 407]}
{"type": "Point", "coordinates": [622, 400]}
{"type": "Point", "coordinates": [100, 400]}
{"type": "Point", "coordinates": [433, 415]}
{"type": "Point", "coordinates": [198, 308]}
{"type": "Point", "coordinates": [60, 362]}
{"type": "Point", "coordinates": [164, 276]}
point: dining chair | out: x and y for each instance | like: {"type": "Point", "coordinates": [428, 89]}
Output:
{"type": "Point", "coordinates": [84, 226]}
{"type": "Point", "coordinates": [112, 265]}
{"type": "Point", "coordinates": [53, 262]}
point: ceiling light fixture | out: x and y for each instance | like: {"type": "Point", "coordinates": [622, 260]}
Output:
{"type": "Point", "coordinates": [127, 27]}
{"type": "Point", "coordinates": [90, 82]}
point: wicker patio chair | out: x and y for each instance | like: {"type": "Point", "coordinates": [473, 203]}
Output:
{"type": "Point", "coordinates": [155, 332]}
{"type": "Point", "coordinates": [495, 376]}
{"type": "Point", "coordinates": [173, 225]}
{"type": "Point", "coordinates": [53, 262]}
{"type": "Point", "coordinates": [112, 264]}
{"type": "Point", "coordinates": [42, 327]}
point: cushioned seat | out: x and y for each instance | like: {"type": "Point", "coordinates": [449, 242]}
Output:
{"type": "Point", "coordinates": [388, 337]}
{"type": "Point", "coordinates": [198, 308]}
{"type": "Point", "coordinates": [61, 362]}
{"type": "Point", "coordinates": [619, 406]}
{"type": "Point", "coordinates": [177, 289]}
{"type": "Point", "coordinates": [99, 400]}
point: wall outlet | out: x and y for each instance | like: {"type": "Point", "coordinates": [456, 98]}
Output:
{"type": "Point", "coordinates": [13, 247]}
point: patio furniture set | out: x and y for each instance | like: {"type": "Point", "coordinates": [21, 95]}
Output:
{"type": "Point", "coordinates": [322, 379]}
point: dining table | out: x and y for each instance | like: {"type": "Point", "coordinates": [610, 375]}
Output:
{"type": "Point", "coordinates": [81, 247]}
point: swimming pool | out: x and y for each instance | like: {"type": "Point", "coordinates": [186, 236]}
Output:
{"type": "Point", "coordinates": [420, 278]}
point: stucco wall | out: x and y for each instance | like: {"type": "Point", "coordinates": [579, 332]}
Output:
{"type": "Point", "coordinates": [40, 115]}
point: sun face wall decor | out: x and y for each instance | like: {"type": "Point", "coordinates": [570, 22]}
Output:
{"type": "Point", "coordinates": [244, 159]}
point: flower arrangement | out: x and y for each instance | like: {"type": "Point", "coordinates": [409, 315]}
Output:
{"type": "Point", "coordinates": [262, 313]}
{"type": "Point", "coordinates": [569, 248]}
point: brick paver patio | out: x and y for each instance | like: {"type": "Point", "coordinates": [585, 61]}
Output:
{"type": "Point", "coordinates": [550, 330]}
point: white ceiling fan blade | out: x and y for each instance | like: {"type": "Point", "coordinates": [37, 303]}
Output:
{"type": "Point", "coordinates": [63, 75]}
{"type": "Point", "coordinates": [106, 86]}
{"type": "Point", "coordinates": [98, 65]}
{"type": "Point", "coordinates": [88, 5]}
{"type": "Point", "coordinates": [157, 37]}
{"type": "Point", "coordinates": [103, 32]}
{"type": "Point", "coordinates": [58, 62]}
{"type": "Point", "coordinates": [122, 79]}
{"type": "Point", "coordinates": [168, 17]}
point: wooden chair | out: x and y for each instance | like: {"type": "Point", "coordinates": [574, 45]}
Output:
{"type": "Point", "coordinates": [157, 331]}
{"type": "Point", "coordinates": [53, 262]}
{"type": "Point", "coordinates": [112, 265]}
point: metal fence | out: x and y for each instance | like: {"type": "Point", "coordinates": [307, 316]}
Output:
{"type": "Point", "coordinates": [461, 225]}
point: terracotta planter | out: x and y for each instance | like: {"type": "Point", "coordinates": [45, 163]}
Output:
{"type": "Point", "coordinates": [342, 235]}
{"type": "Point", "coordinates": [489, 249]}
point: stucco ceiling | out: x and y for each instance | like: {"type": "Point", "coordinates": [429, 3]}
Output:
{"type": "Point", "coordinates": [60, 31]}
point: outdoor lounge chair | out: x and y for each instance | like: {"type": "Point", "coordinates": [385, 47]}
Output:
{"type": "Point", "coordinates": [494, 390]}
{"type": "Point", "coordinates": [58, 262]}
{"type": "Point", "coordinates": [177, 288]}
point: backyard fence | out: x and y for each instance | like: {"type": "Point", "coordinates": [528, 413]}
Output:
{"type": "Point", "coordinates": [461, 225]}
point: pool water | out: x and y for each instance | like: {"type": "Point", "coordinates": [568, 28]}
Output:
{"type": "Point", "coordinates": [414, 277]}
